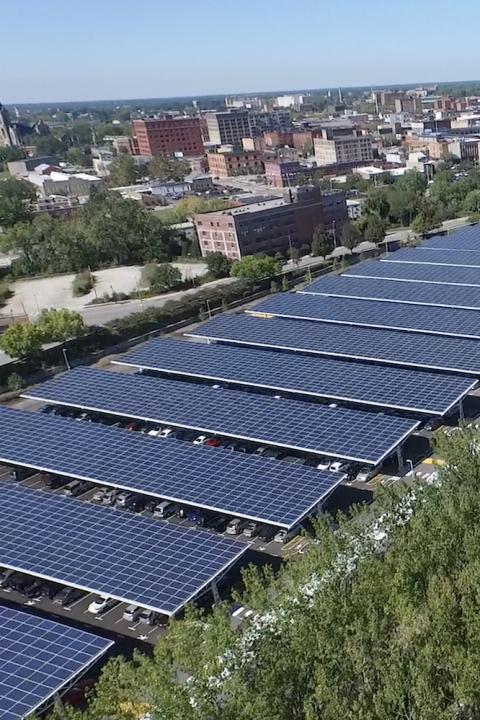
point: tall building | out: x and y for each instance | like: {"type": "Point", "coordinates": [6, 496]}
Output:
{"type": "Point", "coordinates": [234, 162]}
{"type": "Point", "coordinates": [228, 127]}
{"type": "Point", "coordinates": [155, 136]}
{"type": "Point", "coordinates": [8, 135]}
{"type": "Point", "coordinates": [270, 226]}
{"type": "Point", "coordinates": [344, 150]}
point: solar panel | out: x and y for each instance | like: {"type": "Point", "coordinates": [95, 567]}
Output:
{"type": "Point", "coordinates": [322, 377]}
{"type": "Point", "coordinates": [409, 272]}
{"type": "Point", "coordinates": [466, 239]}
{"type": "Point", "coordinates": [430, 256]}
{"type": "Point", "coordinates": [135, 559]}
{"type": "Point", "coordinates": [340, 432]}
{"type": "Point", "coordinates": [373, 313]}
{"type": "Point", "coordinates": [434, 352]}
{"type": "Point", "coordinates": [454, 296]}
{"type": "Point", "coordinates": [231, 482]}
{"type": "Point", "coordinates": [38, 657]}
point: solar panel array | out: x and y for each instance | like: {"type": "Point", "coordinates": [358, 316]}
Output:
{"type": "Point", "coordinates": [138, 560]}
{"type": "Point", "coordinates": [430, 256]}
{"type": "Point", "coordinates": [434, 352]}
{"type": "Point", "coordinates": [410, 272]}
{"type": "Point", "coordinates": [324, 377]}
{"type": "Point", "coordinates": [37, 658]}
{"type": "Point", "coordinates": [339, 432]}
{"type": "Point", "coordinates": [230, 482]}
{"type": "Point", "coordinates": [454, 296]}
{"type": "Point", "coordinates": [373, 313]}
{"type": "Point", "coordinates": [466, 238]}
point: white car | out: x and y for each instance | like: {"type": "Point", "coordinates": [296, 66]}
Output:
{"type": "Point", "coordinates": [165, 432]}
{"type": "Point", "coordinates": [200, 440]}
{"type": "Point", "coordinates": [155, 432]}
{"type": "Point", "coordinates": [335, 466]}
{"type": "Point", "coordinates": [98, 605]}
{"type": "Point", "coordinates": [323, 465]}
{"type": "Point", "coordinates": [281, 536]}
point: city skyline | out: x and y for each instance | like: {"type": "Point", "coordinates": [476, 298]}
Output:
{"type": "Point", "coordinates": [95, 52]}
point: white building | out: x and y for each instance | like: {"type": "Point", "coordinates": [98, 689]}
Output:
{"type": "Point", "coordinates": [354, 209]}
{"type": "Point", "coordinates": [288, 101]}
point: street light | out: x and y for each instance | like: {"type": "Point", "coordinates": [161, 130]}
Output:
{"type": "Point", "coordinates": [410, 465]}
{"type": "Point", "coordinates": [65, 357]}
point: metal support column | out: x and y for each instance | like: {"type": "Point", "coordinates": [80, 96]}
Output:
{"type": "Point", "coordinates": [400, 461]}
{"type": "Point", "coordinates": [215, 593]}
{"type": "Point", "coordinates": [461, 413]}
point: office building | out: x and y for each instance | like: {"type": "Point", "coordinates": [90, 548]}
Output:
{"type": "Point", "coordinates": [228, 127]}
{"type": "Point", "coordinates": [342, 149]}
{"type": "Point", "coordinates": [168, 136]}
{"type": "Point", "coordinates": [286, 173]}
{"type": "Point", "coordinates": [270, 226]}
{"type": "Point", "coordinates": [234, 162]}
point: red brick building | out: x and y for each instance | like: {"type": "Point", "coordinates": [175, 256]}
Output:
{"type": "Point", "coordinates": [235, 162]}
{"type": "Point", "coordinates": [167, 136]}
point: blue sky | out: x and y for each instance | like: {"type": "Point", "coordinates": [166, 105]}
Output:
{"type": "Point", "coordinates": [102, 49]}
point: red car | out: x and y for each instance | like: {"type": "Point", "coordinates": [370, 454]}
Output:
{"type": "Point", "coordinates": [213, 442]}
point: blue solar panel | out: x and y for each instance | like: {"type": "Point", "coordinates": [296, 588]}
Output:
{"type": "Point", "coordinates": [339, 432]}
{"type": "Point", "coordinates": [454, 296]}
{"type": "Point", "coordinates": [466, 239]}
{"type": "Point", "coordinates": [324, 377]}
{"type": "Point", "coordinates": [429, 256]}
{"type": "Point", "coordinates": [154, 564]}
{"type": "Point", "coordinates": [409, 272]}
{"type": "Point", "coordinates": [391, 347]}
{"type": "Point", "coordinates": [373, 313]}
{"type": "Point", "coordinates": [38, 657]}
{"type": "Point", "coordinates": [230, 482]}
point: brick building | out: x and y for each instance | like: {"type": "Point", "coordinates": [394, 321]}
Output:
{"type": "Point", "coordinates": [154, 136]}
{"type": "Point", "coordinates": [343, 149]}
{"type": "Point", "coordinates": [285, 173]}
{"type": "Point", "coordinates": [234, 162]}
{"type": "Point", "coordinates": [270, 226]}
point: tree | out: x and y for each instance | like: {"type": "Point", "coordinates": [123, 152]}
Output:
{"type": "Point", "coordinates": [377, 203]}
{"type": "Point", "coordinates": [294, 255]}
{"type": "Point", "coordinates": [165, 169]}
{"type": "Point", "coordinates": [374, 230]}
{"type": "Point", "coordinates": [322, 243]}
{"type": "Point", "coordinates": [123, 171]}
{"type": "Point", "coordinates": [428, 217]}
{"type": "Point", "coordinates": [218, 265]}
{"type": "Point", "coordinates": [76, 156]}
{"type": "Point", "coordinates": [471, 203]}
{"type": "Point", "coordinates": [350, 235]}
{"type": "Point", "coordinates": [58, 325]}
{"type": "Point", "coordinates": [15, 199]}
{"type": "Point", "coordinates": [160, 278]}
{"type": "Point", "coordinates": [255, 267]}
{"type": "Point", "coordinates": [21, 340]}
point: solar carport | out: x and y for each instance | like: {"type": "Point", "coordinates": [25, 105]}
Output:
{"type": "Point", "coordinates": [373, 313]}
{"type": "Point", "coordinates": [130, 558]}
{"type": "Point", "coordinates": [465, 238]}
{"type": "Point", "coordinates": [431, 256]}
{"type": "Point", "coordinates": [333, 432]}
{"type": "Point", "coordinates": [411, 272]}
{"type": "Point", "coordinates": [413, 293]}
{"type": "Point", "coordinates": [391, 347]}
{"type": "Point", "coordinates": [38, 658]}
{"type": "Point", "coordinates": [315, 377]}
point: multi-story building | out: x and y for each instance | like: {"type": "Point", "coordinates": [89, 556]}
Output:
{"type": "Point", "coordinates": [434, 144]}
{"type": "Point", "coordinates": [271, 226]}
{"type": "Point", "coordinates": [167, 136]}
{"type": "Point", "coordinates": [465, 148]}
{"type": "Point", "coordinates": [276, 120]}
{"type": "Point", "coordinates": [285, 173]}
{"type": "Point", "coordinates": [228, 127]}
{"type": "Point", "coordinates": [234, 162]}
{"type": "Point", "coordinates": [408, 104]}
{"type": "Point", "coordinates": [346, 150]}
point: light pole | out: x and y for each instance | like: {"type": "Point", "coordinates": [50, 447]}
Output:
{"type": "Point", "coordinates": [65, 357]}
{"type": "Point", "coordinates": [410, 465]}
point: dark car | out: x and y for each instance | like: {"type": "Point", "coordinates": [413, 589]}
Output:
{"type": "Point", "coordinates": [217, 523]}
{"type": "Point", "coordinates": [54, 481]}
{"type": "Point", "coordinates": [34, 590]}
{"type": "Point", "coordinates": [19, 582]}
{"type": "Point", "coordinates": [266, 533]}
{"type": "Point", "coordinates": [77, 487]}
{"type": "Point", "coordinates": [138, 504]}
{"type": "Point", "coordinates": [19, 474]}
{"type": "Point", "coordinates": [67, 596]}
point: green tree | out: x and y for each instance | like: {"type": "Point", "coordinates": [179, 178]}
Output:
{"type": "Point", "coordinates": [350, 235]}
{"type": "Point", "coordinates": [15, 199]}
{"type": "Point", "coordinates": [57, 325]}
{"type": "Point", "coordinates": [165, 169]}
{"type": "Point", "coordinates": [322, 243]}
{"type": "Point", "coordinates": [76, 156]}
{"type": "Point", "coordinates": [294, 255]}
{"type": "Point", "coordinates": [160, 278]}
{"type": "Point", "coordinates": [218, 265]}
{"type": "Point", "coordinates": [21, 340]}
{"type": "Point", "coordinates": [374, 230]}
{"type": "Point", "coordinates": [471, 203]}
{"type": "Point", "coordinates": [123, 171]}
{"type": "Point", "coordinates": [255, 267]}
{"type": "Point", "coordinates": [377, 203]}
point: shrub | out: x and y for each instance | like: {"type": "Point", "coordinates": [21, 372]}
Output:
{"type": "Point", "coordinates": [5, 293]}
{"type": "Point", "coordinates": [15, 382]}
{"type": "Point", "coordinates": [82, 283]}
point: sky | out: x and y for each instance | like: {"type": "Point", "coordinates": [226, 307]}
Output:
{"type": "Point", "coordinates": [111, 49]}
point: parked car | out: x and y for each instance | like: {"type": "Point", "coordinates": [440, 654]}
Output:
{"type": "Point", "coordinates": [67, 596]}
{"type": "Point", "coordinates": [147, 617]}
{"type": "Point", "coordinates": [200, 440]}
{"type": "Point", "coordinates": [166, 432]}
{"type": "Point", "coordinates": [76, 488]}
{"type": "Point", "coordinates": [281, 536]}
{"type": "Point", "coordinates": [19, 474]}
{"type": "Point", "coordinates": [99, 494]}
{"type": "Point", "coordinates": [217, 523]}
{"type": "Point", "coordinates": [236, 447]}
{"type": "Point", "coordinates": [54, 482]}
{"type": "Point", "coordinates": [268, 452]}
{"type": "Point", "coordinates": [132, 426]}
{"type": "Point", "coordinates": [138, 504]}
{"type": "Point", "coordinates": [101, 604]}
{"type": "Point", "coordinates": [266, 533]}
{"type": "Point", "coordinates": [34, 590]}
{"type": "Point", "coordinates": [110, 496]}
{"type": "Point", "coordinates": [4, 577]}
{"type": "Point", "coordinates": [251, 529]}
{"type": "Point", "coordinates": [213, 442]}
{"type": "Point", "coordinates": [194, 515]}
{"type": "Point", "coordinates": [19, 582]}
{"type": "Point", "coordinates": [131, 613]}
{"type": "Point", "coordinates": [164, 509]}
{"type": "Point", "coordinates": [123, 498]}
{"type": "Point", "coordinates": [235, 526]}
{"type": "Point", "coordinates": [154, 432]}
